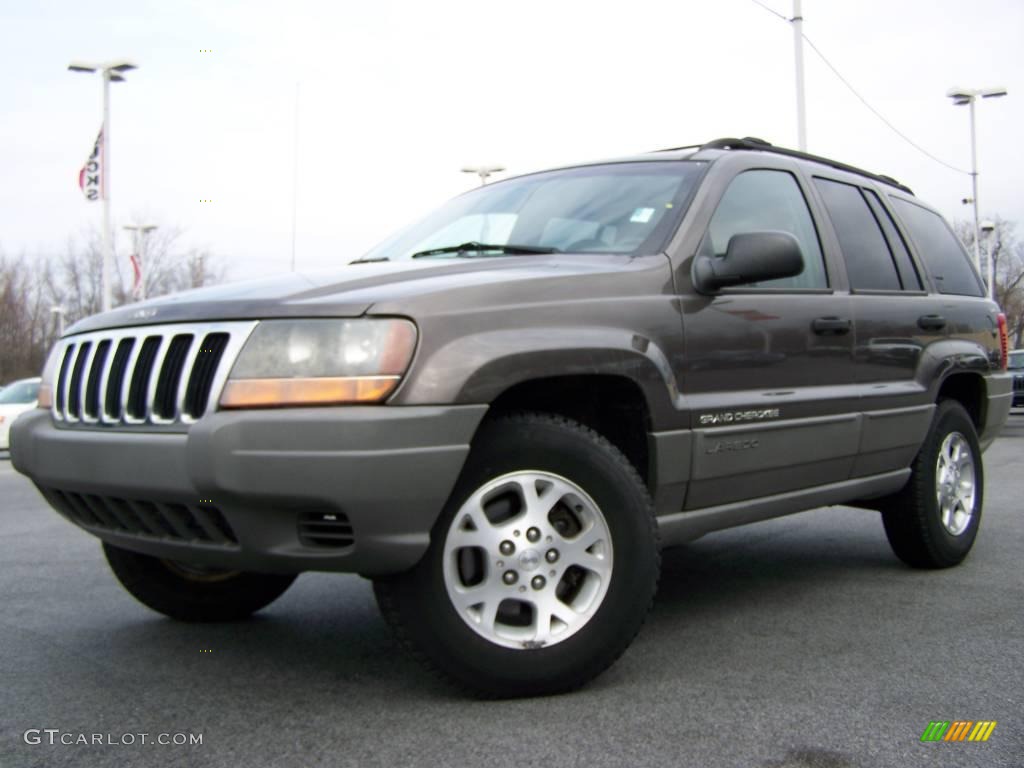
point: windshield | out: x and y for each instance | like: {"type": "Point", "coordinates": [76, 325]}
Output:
{"type": "Point", "coordinates": [20, 392]}
{"type": "Point", "coordinates": [630, 208]}
{"type": "Point", "coordinates": [1016, 362]}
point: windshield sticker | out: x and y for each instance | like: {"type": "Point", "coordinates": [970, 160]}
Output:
{"type": "Point", "coordinates": [642, 215]}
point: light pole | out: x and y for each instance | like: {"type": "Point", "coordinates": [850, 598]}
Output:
{"type": "Point", "coordinates": [139, 232]}
{"type": "Point", "coordinates": [58, 311]}
{"type": "Point", "coordinates": [968, 96]}
{"type": "Point", "coordinates": [798, 59]}
{"type": "Point", "coordinates": [112, 72]}
{"type": "Point", "coordinates": [483, 171]}
{"type": "Point", "coordinates": [987, 228]}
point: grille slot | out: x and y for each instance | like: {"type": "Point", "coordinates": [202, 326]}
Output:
{"type": "Point", "coordinates": [136, 406]}
{"type": "Point", "coordinates": [325, 529]}
{"type": "Point", "coordinates": [115, 382]}
{"type": "Point", "coordinates": [75, 385]}
{"type": "Point", "coordinates": [165, 402]}
{"type": "Point", "coordinates": [201, 380]}
{"type": "Point", "coordinates": [1018, 383]}
{"type": "Point", "coordinates": [60, 398]}
{"type": "Point", "coordinates": [92, 386]}
{"type": "Point", "coordinates": [147, 519]}
{"type": "Point", "coordinates": [155, 375]}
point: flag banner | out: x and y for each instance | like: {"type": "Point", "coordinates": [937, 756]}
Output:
{"type": "Point", "coordinates": [137, 276]}
{"type": "Point", "coordinates": [90, 178]}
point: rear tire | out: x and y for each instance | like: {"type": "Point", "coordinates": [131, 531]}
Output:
{"type": "Point", "coordinates": [562, 510]}
{"type": "Point", "coordinates": [190, 593]}
{"type": "Point", "coordinates": [933, 521]}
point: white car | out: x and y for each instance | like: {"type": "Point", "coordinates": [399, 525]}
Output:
{"type": "Point", "coordinates": [16, 398]}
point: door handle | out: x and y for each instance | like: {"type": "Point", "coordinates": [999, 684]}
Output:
{"type": "Point", "coordinates": [831, 325]}
{"type": "Point", "coordinates": [931, 322]}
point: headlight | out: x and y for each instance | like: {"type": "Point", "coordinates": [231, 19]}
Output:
{"type": "Point", "coordinates": [320, 362]}
{"type": "Point", "coordinates": [45, 399]}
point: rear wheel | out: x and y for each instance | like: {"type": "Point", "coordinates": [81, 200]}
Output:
{"type": "Point", "coordinates": [933, 521]}
{"type": "Point", "coordinates": [193, 593]}
{"type": "Point", "coordinates": [542, 567]}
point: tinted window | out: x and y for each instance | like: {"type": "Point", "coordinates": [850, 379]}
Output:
{"type": "Point", "coordinates": [758, 201]}
{"type": "Point", "coordinates": [868, 261]}
{"type": "Point", "coordinates": [904, 264]}
{"type": "Point", "coordinates": [938, 247]}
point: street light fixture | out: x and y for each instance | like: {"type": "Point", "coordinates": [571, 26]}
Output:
{"type": "Point", "coordinates": [967, 96]}
{"type": "Point", "coordinates": [112, 72]}
{"type": "Point", "coordinates": [139, 232]}
{"type": "Point", "coordinates": [483, 171]}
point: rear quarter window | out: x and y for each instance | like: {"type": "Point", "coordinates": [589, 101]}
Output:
{"type": "Point", "coordinates": [941, 252]}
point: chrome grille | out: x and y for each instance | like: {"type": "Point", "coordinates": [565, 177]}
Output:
{"type": "Point", "coordinates": [150, 375]}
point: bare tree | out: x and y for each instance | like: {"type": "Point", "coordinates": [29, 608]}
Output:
{"type": "Point", "coordinates": [25, 327]}
{"type": "Point", "coordinates": [1008, 267]}
{"type": "Point", "coordinates": [168, 266]}
{"type": "Point", "coordinates": [31, 288]}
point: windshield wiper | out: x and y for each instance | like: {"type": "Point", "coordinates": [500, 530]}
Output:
{"type": "Point", "coordinates": [371, 260]}
{"type": "Point", "coordinates": [475, 246]}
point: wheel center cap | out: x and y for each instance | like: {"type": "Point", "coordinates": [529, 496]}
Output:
{"type": "Point", "coordinates": [529, 560]}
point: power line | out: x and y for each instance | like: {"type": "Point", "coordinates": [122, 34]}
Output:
{"type": "Point", "coordinates": [770, 10]}
{"type": "Point", "coordinates": [864, 101]}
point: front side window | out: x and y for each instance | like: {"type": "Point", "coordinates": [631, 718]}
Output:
{"type": "Point", "coordinates": [628, 208]}
{"type": "Point", "coordinates": [1016, 362]}
{"type": "Point", "coordinates": [939, 249]}
{"type": "Point", "coordinates": [768, 200]}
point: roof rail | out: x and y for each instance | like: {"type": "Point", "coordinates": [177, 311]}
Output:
{"type": "Point", "coordinates": [763, 146]}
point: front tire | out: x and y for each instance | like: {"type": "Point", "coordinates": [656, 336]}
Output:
{"type": "Point", "coordinates": [933, 521]}
{"type": "Point", "coordinates": [542, 566]}
{"type": "Point", "coordinates": [191, 593]}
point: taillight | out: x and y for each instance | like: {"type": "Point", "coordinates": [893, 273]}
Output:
{"type": "Point", "coordinates": [1004, 341]}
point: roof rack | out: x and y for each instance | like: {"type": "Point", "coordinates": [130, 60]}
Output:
{"type": "Point", "coordinates": [761, 145]}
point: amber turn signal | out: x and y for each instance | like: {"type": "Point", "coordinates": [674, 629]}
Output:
{"type": "Point", "coordinates": [325, 390]}
{"type": "Point", "coordinates": [45, 397]}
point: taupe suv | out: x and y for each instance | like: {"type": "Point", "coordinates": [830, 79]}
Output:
{"type": "Point", "coordinates": [501, 414]}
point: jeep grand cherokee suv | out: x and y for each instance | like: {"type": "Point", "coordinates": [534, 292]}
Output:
{"type": "Point", "coordinates": [503, 412]}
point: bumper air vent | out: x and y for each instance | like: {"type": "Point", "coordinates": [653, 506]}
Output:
{"type": "Point", "coordinates": [330, 530]}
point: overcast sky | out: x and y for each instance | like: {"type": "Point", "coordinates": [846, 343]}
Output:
{"type": "Point", "coordinates": [395, 97]}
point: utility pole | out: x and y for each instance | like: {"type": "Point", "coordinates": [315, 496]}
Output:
{"type": "Point", "coordinates": [295, 168]}
{"type": "Point", "coordinates": [798, 54]}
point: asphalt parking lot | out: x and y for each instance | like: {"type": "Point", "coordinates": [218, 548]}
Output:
{"type": "Point", "coordinates": [794, 642]}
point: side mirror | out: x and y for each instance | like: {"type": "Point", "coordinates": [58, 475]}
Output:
{"type": "Point", "coordinates": [751, 257]}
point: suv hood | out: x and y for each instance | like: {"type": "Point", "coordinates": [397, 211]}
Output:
{"type": "Point", "coordinates": [348, 291]}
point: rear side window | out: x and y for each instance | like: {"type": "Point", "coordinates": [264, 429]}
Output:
{"type": "Point", "coordinates": [763, 200]}
{"type": "Point", "coordinates": [904, 264]}
{"type": "Point", "coordinates": [865, 251]}
{"type": "Point", "coordinates": [941, 252]}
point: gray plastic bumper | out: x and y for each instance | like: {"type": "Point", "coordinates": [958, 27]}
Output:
{"type": "Point", "coordinates": [388, 470]}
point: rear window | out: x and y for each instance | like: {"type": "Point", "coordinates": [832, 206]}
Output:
{"type": "Point", "coordinates": [941, 252]}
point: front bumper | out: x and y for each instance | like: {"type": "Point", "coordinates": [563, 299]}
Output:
{"type": "Point", "coordinates": [243, 489]}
